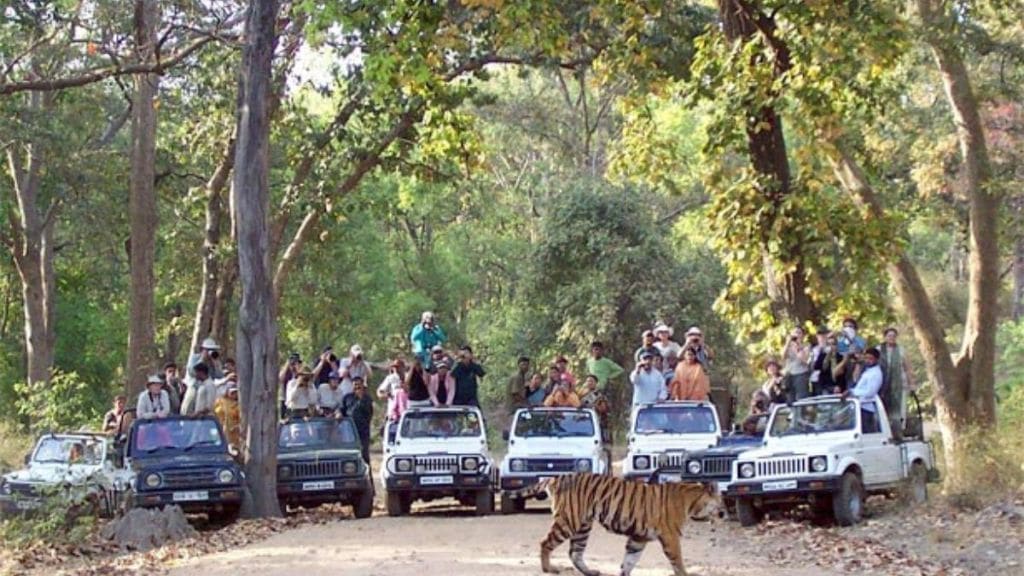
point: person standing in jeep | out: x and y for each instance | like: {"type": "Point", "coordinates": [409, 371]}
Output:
{"type": "Point", "coordinates": [358, 406]}
{"type": "Point", "coordinates": [466, 374]}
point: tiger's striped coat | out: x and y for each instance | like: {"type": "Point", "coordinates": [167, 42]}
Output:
{"type": "Point", "coordinates": [642, 512]}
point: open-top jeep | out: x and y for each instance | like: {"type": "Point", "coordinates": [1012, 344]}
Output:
{"type": "Point", "coordinates": [319, 461]}
{"type": "Point", "coordinates": [546, 442]}
{"type": "Point", "coordinates": [183, 461]}
{"type": "Point", "coordinates": [77, 468]}
{"type": "Point", "coordinates": [438, 453]}
{"type": "Point", "coordinates": [662, 434]}
{"type": "Point", "coordinates": [829, 452]}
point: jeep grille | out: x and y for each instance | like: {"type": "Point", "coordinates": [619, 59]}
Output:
{"type": "Point", "coordinates": [785, 466]}
{"type": "Point", "coordinates": [550, 465]}
{"type": "Point", "coordinates": [437, 464]}
{"type": "Point", "coordinates": [718, 466]}
{"type": "Point", "coordinates": [672, 460]}
{"type": "Point", "coordinates": [190, 477]}
{"type": "Point", "coordinates": [321, 469]}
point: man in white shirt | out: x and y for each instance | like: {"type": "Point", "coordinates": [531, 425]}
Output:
{"type": "Point", "coordinates": [201, 394]}
{"type": "Point", "coordinates": [866, 390]}
{"type": "Point", "coordinates": [330, 394]}
{"type": "Point", "coordinates": [154, 401]}
{"type": "Point", "coordinates": [352, 367]}
{"type": "Point", "coordinates": [648, 383]}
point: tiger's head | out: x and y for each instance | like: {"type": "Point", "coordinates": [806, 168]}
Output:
{"type": "Point", "coordinates": [701, 501]}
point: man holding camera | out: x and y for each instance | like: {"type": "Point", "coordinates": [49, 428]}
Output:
{"type": "Point", "coordinates": [352, 368]}
{"type": "Point", "coordinates": [796, 371]}
{"type": "Point", "coordinates": [695, 340]}
{"type": "Point", "coordinates": [208, 355]}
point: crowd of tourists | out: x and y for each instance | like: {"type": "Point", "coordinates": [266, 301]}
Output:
{"type": "Point", "coordinates": [663, 369]}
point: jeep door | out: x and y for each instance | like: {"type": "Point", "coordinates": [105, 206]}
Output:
{"type": "Point", "coordinates": [880, 458]}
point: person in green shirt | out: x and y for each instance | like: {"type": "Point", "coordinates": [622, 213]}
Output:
{"type": "Point", "coordinates": [604, 368]}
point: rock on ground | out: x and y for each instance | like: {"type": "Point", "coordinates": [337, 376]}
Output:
{"type": "Point", "coordinates": [145, 529]}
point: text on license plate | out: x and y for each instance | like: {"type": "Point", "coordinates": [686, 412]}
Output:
{"type": "Point", "coordinates": [323, 485]}
{"type": "Point", "coordinates": [434, 480]}
{"type": "Point", "coordinates": [781, 485]}
{"type": "Point", "coordinates": [195, 496]}
{"type": "Point", "coordinates": [27, 504]}
{"type": "Point", "coordinates": [671, 478]}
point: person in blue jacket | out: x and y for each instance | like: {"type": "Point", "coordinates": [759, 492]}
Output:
{"type": "Point", "coordinates": [425, 336]}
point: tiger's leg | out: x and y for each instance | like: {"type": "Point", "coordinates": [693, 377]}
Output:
{"type": "Point", "coordinates": [560, 530]}
{"type": "Point", "coordinates": [634, 547]}
{"type": "Point", "coordinates": [577, 545]}
{"type": "Point", "coordinates": [674, 553]}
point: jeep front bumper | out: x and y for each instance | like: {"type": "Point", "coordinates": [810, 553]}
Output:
{"type": "Point", "coordinates": [784, 489]}
{"type": "Point", "coordinates": [200, 500]}
{"type": "Point", "coordinates": [436, 483]}
{"type": "Point", "coordinates": [322, 490]}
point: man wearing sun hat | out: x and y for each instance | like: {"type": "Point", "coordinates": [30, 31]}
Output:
{"type": "Point", "coordinates": [695, 340]}
{"type": "Point", "coordinates": [664, 342]}
{"type": "Point", "coordinates": [154, 401]}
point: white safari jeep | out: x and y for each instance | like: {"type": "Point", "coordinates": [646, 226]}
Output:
{"type": "Point", "coordinates": [546, 442]}
{"type": "Point", "coordinates": [662, 434]}
{"type": "Point", "coordinates": [76, 468]}
{"type": "Point", "coordinates": [829, 452]}
{"type": "Point", "coordinates": [438, 453]}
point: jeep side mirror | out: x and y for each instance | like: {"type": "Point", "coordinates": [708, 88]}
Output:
{"type": "Point", "coordinates": [504, 435]}
{"type": "Point", "coordinates": [28, 458]}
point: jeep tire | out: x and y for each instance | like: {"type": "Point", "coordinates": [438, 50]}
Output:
{"type": "Point", "coordinates": [509, 505]}
{"type": "Point", "coordinates": [747, 513]}
{"type": "Point", "coordinates": [484, 502]}
{"type": "Point", "coordinates": [915, 489]}
{"type": "Point", "coordinates": [396, 504]}
{"type": "Point", "coordinates": [225, 517]}
{"type": "Point", "coordinates": [363, 505]}
{"type": "Point", "coordinates": [848, 501]}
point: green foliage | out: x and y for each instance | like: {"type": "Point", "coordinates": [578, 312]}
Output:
{"type": "Point", "coordinates": [53, 523]}
{"type": "Point", "coordinates": [67, 403]}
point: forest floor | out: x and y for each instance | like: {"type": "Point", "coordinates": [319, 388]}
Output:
{"type": "Point", "coordinates": [440, 538]}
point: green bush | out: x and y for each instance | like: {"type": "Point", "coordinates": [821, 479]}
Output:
{"type": "Point", "coordinates": [68, 403]}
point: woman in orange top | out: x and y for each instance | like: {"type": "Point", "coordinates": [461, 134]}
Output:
{"type": "Point", "coordinates": [562, 397]}
{"type": "Point", "coordinates": [691, 381]}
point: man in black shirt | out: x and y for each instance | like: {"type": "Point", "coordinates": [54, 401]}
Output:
{"type": "Point", "coordinates": [358, 406]}
{"type": "Point", "coordinates": [466, 373]}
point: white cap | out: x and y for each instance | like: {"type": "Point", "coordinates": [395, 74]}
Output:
{"type": "Point", "coordinates": [427, 316]}
{"type": "Point", "coordinates": [154, 379]}
{"type": "Point", "coordinates": [209, 344]}
{"type": "Point", "coordinates": [355, 350]}
{"type": "Point", "coordinates": [694, 331]}
{"type": "Point", "coordinates": [662, 327]}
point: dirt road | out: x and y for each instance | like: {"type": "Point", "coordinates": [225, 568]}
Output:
{"type": "Point", "coordinates": [451, 542]}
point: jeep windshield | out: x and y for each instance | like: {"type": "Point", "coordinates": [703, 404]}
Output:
{"type": "Point", "coordinates": [542, 423]}
{"type": "Point", "coordinates": [440, 424]}
{"type": "Point", "coordinates": [675, 420]}
{"type": "Point", "coordinates": [317, 435]}
{"type": "Point", "coordinates": [65, 450]}
{"type": "Point", "coordinates": [814, 418]}
{"type": "Point", "coordinates": [184, 435]}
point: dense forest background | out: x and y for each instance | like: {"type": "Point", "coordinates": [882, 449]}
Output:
{"type": "Point", "coordinates": [538, 174]}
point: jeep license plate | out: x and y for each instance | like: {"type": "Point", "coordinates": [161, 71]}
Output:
{"type": "Point", "coordinates": [435, 480]}
{"type": "Point", "coordinates": [671, 478]}
{"type": "Point", "coordinates": [196, 496]}
{"type": "Point", "coordinates": [323, 485]}
{"type": "Point", "coordinates": [27, 504]}
{"type": "Point", "coordinates": [782, 485]}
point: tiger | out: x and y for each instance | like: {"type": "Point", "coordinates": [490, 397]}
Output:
{"type": "Point", "coordinates": [643, 512]}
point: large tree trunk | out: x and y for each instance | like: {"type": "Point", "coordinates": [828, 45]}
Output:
{"type": "Point", "coordinates": [205, 308]}
{"type": "Point", "coordinates": [142, 203]}
{"type": "Point", "coordinates": [766, 144]}
{"type": "Point", "coordinates": [1018, 274]}
{"type": "Point", "coordinates": [973, 402]}
{"type": "Point", "coordinates": [256, 347]}
{"type": "Point", "coordinates": [32, 229]}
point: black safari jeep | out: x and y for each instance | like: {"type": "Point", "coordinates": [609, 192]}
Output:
{"type": "Point", "coordinates": [319, 461]}
{"type": "Point", "coordinates": [183, 461]}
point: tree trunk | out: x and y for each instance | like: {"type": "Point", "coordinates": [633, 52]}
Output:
{"type": "Point", "coordinates": [142, 203]}
{"type": "Point", "coordinates": [32, 231]}
{"type": "Point", "coordinates": [256, 347]}
{"type": "Point", "coordinates": [766, 144]}
{"type": "Point", "coordinates": [205, 308]}
{"type": "Point", "coordinates": [973, 401]}
{"type": "Point", "coordinates": [223, 298]}
{"type": "Point", "coordinates": [1018, 275]}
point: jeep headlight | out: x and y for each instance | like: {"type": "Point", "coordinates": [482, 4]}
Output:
{"type": "Point", "coordinates": [641, 462]}
{"type": "Point", "coordinates": [226, 476]}
{"type": "Point", "coordinates": [5, 487]}
{"type": "Point", "coordinates": [693, 467]}
{"type": "Point", "coordinates": [403, 465]}
{"type": "Point", "coordinates": [470, 464]}
{"type": "Point", "coordinates": [284, 471]}
{"type": "Point", "coordinates": [152, 480]}
{"type": "Point", "coordinates": [517, 465]}
{"type": "Point", "coordinates": [349, 467]}
{"type": "Point", "coordinates": [583, 465]}
{"type": "Point", "coordinates": [819, 463]}
{"type": "Point", "coordinates": [746, 470]}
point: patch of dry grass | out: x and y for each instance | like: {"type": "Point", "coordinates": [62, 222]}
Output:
{"type": "Point", "coordinates": [14, 444]}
